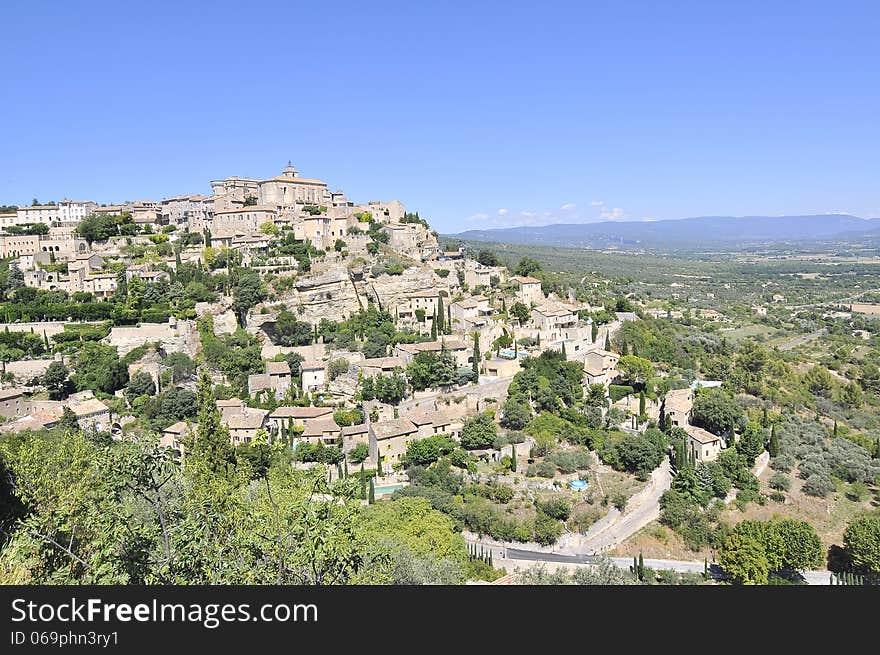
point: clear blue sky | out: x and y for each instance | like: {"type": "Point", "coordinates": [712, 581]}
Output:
{"type": "Point", "coordinates": [477, 114]}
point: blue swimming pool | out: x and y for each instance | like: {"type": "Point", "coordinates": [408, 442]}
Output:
{"type": "Point", "coordinates": [388, 489]}
{"type": "Point", "coordinates": [577, 485]}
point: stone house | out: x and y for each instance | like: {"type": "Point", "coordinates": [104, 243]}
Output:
{"type": "Point", "coordinates": [528, 290]}
{"type": "Point", "coordinates": [12, 403]}
{"type": "Point", "coordinates": [703, 445]}
{"type": "Point", "coordinates": [390, 439]}
{"type": "Point", "coordinates": [678, 407]}
{"type": "Point", "coordinates": [313, 376]}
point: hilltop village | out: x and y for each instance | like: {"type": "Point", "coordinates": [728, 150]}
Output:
{"type": "Point", "coordinates": [301, 303]}
{"type": "Point", "coordinates": [276, 336]}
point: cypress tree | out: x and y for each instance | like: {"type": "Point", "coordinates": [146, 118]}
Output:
{"type": "Point", "coordinates": [594, 333]}
{"type": "Point", "coordinates": [607, 342]}
{"type": "Point", "coordinates": [641, 566]}
{"type": "Point", "coordinates": [212, 446]}
{"type": "Point", "coordinates": [539, 340]}
{"type": "Point", "coordinates": [835, 429]}
{"type": "Point", "coordinates": [434, 328]}
{"type": "Point", "coordinates": [563, 351]}
{"type": "Point", "coordinates": [503, 306]}
{"type": "Point", "coordinates": [345, 466]}
{"type": "Point", "coordinates": [476, 356]}
{"type": "Point", "coordinates": [439, 315]}
{"type": "Point", "coordinates": [625, 350]}
{"type": "Point", "coordinates": [363, 482]}
{"type": "Point", "coordinates": [765, 421]}
{"type": "Point", "coordinates": [773, 446]}
{"type": "Point", "coordinates": [513, 457]}
{"type": "Point", "coordinates": [641, 403]}
{"type": "Point", "coordinates": [378, 462]}
{"type": "Point", "coordinates": [372, 496]}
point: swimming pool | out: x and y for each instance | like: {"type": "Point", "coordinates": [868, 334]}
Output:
{"type": "Point", "coordinates": [577, 485]}
{"type": "Point", "coordinates": [388, 489]}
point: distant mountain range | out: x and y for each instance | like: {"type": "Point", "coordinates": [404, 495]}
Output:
{"type": "Point", "coordinates": [703, 230]}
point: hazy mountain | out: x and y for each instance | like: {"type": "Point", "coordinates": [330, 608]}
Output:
{"type": "Point", "coordinates": [702, 230]}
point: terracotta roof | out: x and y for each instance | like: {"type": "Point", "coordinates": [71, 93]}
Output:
{"type": "Point", "coordinates": [422, 417]}
{"type": "Point", "coordinates": [277, 368]}
{"type": "Point", "coordinates": [250, 419]}
{"type": "Point", "coordinates": [319, 426]}
{"type": "Point", "coordinates": [361, 428]}
{"type": "Point", "coordinates": [700, 435]}
{"type": "Point", "coordinates": [178, 428]}
{"type": "Point", "coordinates": [300, 412]}
{"type": "Point", "coordinates": [393, 428]}
{"type": "Point", "coordinates": [89, 407]}
{"type": "Point", "coordinates": [679, 400]}
{"type": "Point", "coordinates": [525, 280]}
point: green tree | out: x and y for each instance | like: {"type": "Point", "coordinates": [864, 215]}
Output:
{"type": "Point", "coordinates": [211, 449]}
{"type": "Point", "coordinates": [248, 292]}
{"type": "Point", "coordinates": [717, 412]}
{"type": "Point", "coordinates": [372, 494]}
{"type": "Point", "coordinates": [359, 453]}
{"type": "Point", "coordinates": [476, 355]}
{"type": "Point", "coordinates": [140, 384]}
{"type": "Point", "coordinates": [516, 413]}
{"type": "Point", "coordinates": [478, 432]}
{"type": "Point", "coordinates": [520, 312]}
{"type": "Point", "coordinates": [773, 445]}
{"type": "Point", "coordinates": [861, 542]}
{"type": "Point", "coordinates": [751, 442]}
{"type": "Point", "coordinates": [55, 379]}
{"type": "Point", "coordinates": [526, 267]}
{"type": "Point", "coordinates": [744, 561]}
{"type": "Point", "coordinates": [635, 370]}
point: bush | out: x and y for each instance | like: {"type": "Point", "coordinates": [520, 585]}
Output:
{"type": "Point", "coordinates": [547, 529]}
{"type": "Point", "coordinates": [780, 481]}
{"type": "Point", "coordinates": [618, 391]}
{"type": "Point", "coordinates": [819, 485]}
{"type": "Point", "coordinates": [785, 463]}
{"type": "Point", "coordinates": [557, 508]}
{"type": "Point", "coordinates": [359, 453]}
{"type": "Point", "coordinates": [619, 500]}
{"type": "Point", "coordinates": [543, 470]}
{"type": "Point", "coordinates": [777, 496]}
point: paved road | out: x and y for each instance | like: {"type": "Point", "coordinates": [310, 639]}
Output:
{"type": "Point", "coordinates": [641, 509]}
{"type": "Point", "coordinates": [682, 566]}
{"type": "Point", "coordinates": [794, 343]}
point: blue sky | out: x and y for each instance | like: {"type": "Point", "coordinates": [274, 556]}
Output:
{"type": "Point", "coordinates": [477, 114]}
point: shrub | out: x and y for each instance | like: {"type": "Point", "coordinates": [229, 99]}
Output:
{"type": "Point", "coordinates": [819, 485]}
{"type": "Point", "coordinates": [618, 391]}
{"type": "Point", "coordinates": [780, 481]}
{"type": "Point", "coordinates": [557, 508]}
